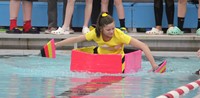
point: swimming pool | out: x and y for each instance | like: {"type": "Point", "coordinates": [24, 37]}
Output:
{"type": "Point", "coordinates": [32, 76]}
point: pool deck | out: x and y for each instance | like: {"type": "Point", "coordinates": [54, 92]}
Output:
{"type": "Point", "coordinates": [186, 42]}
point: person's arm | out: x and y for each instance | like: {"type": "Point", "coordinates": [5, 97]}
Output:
{"type": "Point", "coordinates": [138, 44]}
{"type": "Point", "coordinates": [198, 53]}
{"type": "Point", "coordinates": [70, 40]}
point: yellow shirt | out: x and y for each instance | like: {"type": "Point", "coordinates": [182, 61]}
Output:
{"type": "Point", "coordinates": [113, 46]}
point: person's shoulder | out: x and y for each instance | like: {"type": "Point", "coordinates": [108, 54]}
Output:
{"type": "Point", "coordinates": [91, 33]}
{"type": "Point", "coordinates": [118, 31]}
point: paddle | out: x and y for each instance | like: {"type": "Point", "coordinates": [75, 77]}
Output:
{"type": "Point", "coordinates": [48, 50]}
{"type": "Point", "coordinates": [161, 67]}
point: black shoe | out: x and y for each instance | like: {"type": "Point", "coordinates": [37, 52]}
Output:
{"type": "Point", "coordinates": [32, 30]}
{"type": "Point", "coordinates": [14, 31]}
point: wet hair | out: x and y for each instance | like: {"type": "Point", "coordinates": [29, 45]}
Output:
{"type": "Point", "coordinates": [103, 20]}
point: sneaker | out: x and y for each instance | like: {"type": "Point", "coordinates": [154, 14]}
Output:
{"type": "Point", "coordinates": [198, 32]}
{"type": "Point", "coordinates": [49, 30]}
{"type": "Point", "coordinates": [85, 30]}
{"type": "Point", "coordinates": [14, 31]}
{"type": "Point", "coordinates": [123, 29]}
{"type": "Point", "coordinates": [32, 30]}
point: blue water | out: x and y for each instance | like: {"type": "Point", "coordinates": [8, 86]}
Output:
{"type": "Point", "coordinates": [38, 77]}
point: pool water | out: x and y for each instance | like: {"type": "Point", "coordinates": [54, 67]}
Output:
{"type": "Point", "coordinates": [37, 77]}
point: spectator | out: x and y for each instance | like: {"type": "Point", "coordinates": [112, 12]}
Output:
{"type": "Point", "coordinates": [65, 29]}
{"type": "Point", "coordinates": [27, 13]}
{"type": "Point", "coordinates": [120, 12]}
{"type": "Point", "coordinates": [158, 13]}
{"type": "Point", "coordinates": [182, 4]}
{"type": "Point", "coordinates": [52, 15]}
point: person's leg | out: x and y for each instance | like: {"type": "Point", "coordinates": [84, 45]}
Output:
{"type": "Point", "coordinates": [198, 25]}
{"type": "Point", "coordinates": [52, 15]}
{"type": "Point", "coordinates": [27, 14]}
{"type": "Point", "coordinates": [120, 12]}
{"type": "Point", "coordinates": [181, 13]}
{"type": "Point", "coordinates": [170, 12]}
{"type": "Point", "coordinates": [68, 14]}
{"type": "Point", "coordinates": [64, 10]}
{"type": "Point", "coordinates": [158, 12]}
{"type": "Point", "coordinates": [14, 10]}
{"type": "Point", "coordinates": [121, 16]}
{"type": "Point", "coordinates": [110, 7]}
{"type": "Point", "coordinates": [104, 5]}
{"type": "Point", "coordinates": [88, 11]}
{"type": "Point", "coordinates": [198, 53]}
{"type": "Point", "coordinates": [107, 6]}
{"type": "Point", "coordinates": [96, 9]}
{"type": "Point", "coordinates": [65, 29]}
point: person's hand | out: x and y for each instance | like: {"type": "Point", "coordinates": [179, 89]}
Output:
{"type": "Point", "coordinates": [153, 68]}
{"type": "Point", "coordinates": [198, 53]}
{"type": "Point", "coordinates": [56, 44]}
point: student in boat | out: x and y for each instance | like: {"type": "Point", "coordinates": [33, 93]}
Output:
{"type": "Point", "coordinates": [110, 39]}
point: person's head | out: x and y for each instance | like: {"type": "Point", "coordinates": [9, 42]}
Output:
{"type": "Point", "coordinates": [105, 25]}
